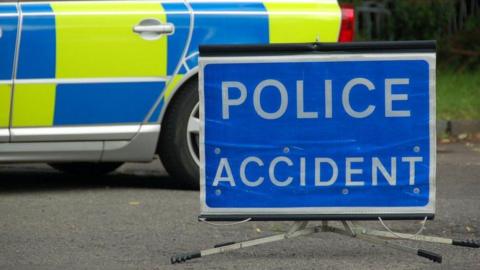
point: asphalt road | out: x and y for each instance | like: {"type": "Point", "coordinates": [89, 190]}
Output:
{"type": "Point", "coordinates": [138, 217]}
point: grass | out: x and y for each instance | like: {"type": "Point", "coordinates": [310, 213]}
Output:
{"type": "Point", "coordinates": [458, 95]}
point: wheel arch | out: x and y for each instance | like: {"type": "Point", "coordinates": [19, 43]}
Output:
{"type": "Point", "coordinates": [191, 75]}
{"type": "Point", "coordinates": [173, 147]}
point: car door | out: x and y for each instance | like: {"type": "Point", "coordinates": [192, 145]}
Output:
{"type": "Point", "coordinates": [93, 70]}
{"type": "Point", "coordinates": [8, 37]}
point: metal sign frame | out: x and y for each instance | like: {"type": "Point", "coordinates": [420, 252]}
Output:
{"type": "Point", "coordinates": [281, 53]}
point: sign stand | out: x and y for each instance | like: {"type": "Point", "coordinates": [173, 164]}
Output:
{"type": "Point", "coordinates": [350, 229]}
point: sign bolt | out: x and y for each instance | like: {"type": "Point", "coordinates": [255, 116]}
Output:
{"type": "Point", "coordinates": [416, 190]}
{"type": "Point", "coordinates": [217, 150]}
{"type": "Point", "coordinates": [345, 191]}
{"type": "Point", "coordinates": [286, 150]}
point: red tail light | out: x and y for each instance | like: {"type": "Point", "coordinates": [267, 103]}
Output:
{"type": "Point", "coordinates": [347, 29]}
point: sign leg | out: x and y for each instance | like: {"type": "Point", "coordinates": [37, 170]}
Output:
{"type": "Point", "coordinates": [297, 229]}
{"type": "Point", "coordinates": [423, 238]}
{"type": "Point", "coordinates": [352, 231]}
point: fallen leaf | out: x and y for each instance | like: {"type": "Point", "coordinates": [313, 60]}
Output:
{"type": "Point", "coordinates": [462, 136]}
{"type": "Point", "coordinates": [445, 140]}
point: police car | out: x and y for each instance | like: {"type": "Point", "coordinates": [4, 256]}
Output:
{"type": "Point", "coordinates": [88, 85]}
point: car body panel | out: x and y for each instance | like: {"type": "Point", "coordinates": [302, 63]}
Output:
{"type": "Point", "coordinates": [89, 67]}
{"type": "Point", "coordinates": [294, 22]}
{"type": "Point", "coordinates": [101, 35]}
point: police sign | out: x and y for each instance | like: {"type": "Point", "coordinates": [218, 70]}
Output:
{"type": "Point", "coordinates": [318, 131]}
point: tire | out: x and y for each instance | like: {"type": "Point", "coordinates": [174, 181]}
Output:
{"type": "Point", "coordinates": [179, 158]}
{"type": "Point", "coordinates": [87, 168]}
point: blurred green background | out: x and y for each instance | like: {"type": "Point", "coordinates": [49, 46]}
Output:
{"type": "Point", "coordinates": [455, 24]}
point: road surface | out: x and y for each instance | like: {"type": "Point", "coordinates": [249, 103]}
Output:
{"type": "Point", "coordinates": [138, 217]}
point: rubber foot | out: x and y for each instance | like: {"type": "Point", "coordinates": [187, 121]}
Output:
{"type": "Point", "coordinates": [466, 243]}
{"type": "Point", "coordinates": [430, 255]}
{"type": "Point", "coordinates": [184, 257]}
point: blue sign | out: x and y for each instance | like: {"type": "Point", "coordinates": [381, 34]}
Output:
{"type": "Point", "coordinates": [318, 134]}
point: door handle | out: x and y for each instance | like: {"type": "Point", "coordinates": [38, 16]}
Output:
{"type": "Point", "coordinates": [152, 29]}
{"type": "Point", "coordinates": [159, 29]}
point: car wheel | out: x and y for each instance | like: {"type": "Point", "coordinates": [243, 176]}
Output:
{"type": "Point", "coordinates": [179, 139]}
{"type": "Point", "coordinates": [87, 168]}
